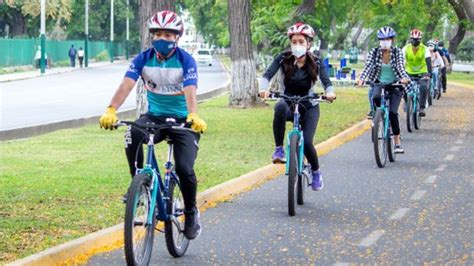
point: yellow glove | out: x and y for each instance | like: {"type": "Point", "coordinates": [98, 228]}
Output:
{"type": "Point", "coordinates": [197, 123]}
{"type": "Point", "coordinates": [108, 119]}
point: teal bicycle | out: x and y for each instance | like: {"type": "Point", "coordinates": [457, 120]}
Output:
{"type": "Point", "coordinates": [382, 137]}
{"type": "Point", "coordinates": [299, 173]}
{"type": "Point", "coordinates": [413, 117]}
{"type": "Point", "coordinates": [152, 198]}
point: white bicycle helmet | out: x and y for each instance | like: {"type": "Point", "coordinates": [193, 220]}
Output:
{"type": "Point", "coordinates": [166, 20]}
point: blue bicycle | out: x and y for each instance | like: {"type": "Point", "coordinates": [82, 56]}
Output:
{"type": "Point", "coordinates": [382, 136]}
{"type": "Point", "coordinates": [413, 117]}
{"type": "Point", "coordinates": [152, 198]}
{"type": "Point", "coordinates": [435, 85]}
{"type": "Point", "coordinates": [299, 173]}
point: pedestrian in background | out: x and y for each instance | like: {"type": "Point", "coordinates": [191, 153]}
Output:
{"type": "Point", "coordinates": [80, 56]}
{"type": "Point", "coordinates": [38, 58]}
{"type": "Point", "coordinates": [72, 55]}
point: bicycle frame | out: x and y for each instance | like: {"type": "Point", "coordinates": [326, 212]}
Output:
{"type": "Point", "coordinates": [158, 187]}
{"type": "Point", "coordinates": [383, 107]}
{"type": "Point", "coordinates": [296, 130]}
{"type": "Point", "coordinates": [414, 92]}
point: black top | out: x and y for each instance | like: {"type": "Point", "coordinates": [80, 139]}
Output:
{"type": "Point", "coordinates": [300, 82]}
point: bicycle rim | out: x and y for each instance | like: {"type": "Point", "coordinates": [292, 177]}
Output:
{"type": "Point", "coordinates": [138, 235]}
{"type": "Point", "coordinates": [176, 242]}
{"type": "Point", "coordinates": [409, 114]}
{"type": "Point", "coordinates": [292, 175]}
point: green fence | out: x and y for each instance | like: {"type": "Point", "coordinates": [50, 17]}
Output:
{"type": "Point", "coordinates": [19, 52]}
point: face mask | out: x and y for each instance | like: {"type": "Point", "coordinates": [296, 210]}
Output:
{"type": "Point", "coordinates": [385, 44]}
{"type": "Point", "coordinates": [416, 42]}
{"type": "Point", "coordinates": [298, 50]}
{"type": "Point", "coordinates": [163, 47]}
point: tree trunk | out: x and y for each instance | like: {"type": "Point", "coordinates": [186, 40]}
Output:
{"type": "Point", "coordinates": [460, 9]}
{"type": "Point", "coordinates": [17, 23]}
{"type": "Point", "coordinates": [356, 36]}
{"type": "Point", "coordinates": [146, 9]}
{"type": "Point", "coordinates": [244, 89]}
{"type": "Point", "coordinates": [306, 8]}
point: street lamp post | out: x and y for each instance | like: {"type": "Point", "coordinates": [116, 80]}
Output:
{"type": "Point", "coordinates": [127, 32]}
{"type": "Point", "coordinates": [43, 35]}
{"type": "Point", "coordinates": [111, 50]}
{"type": "Point", "coordinates": [86, 32]}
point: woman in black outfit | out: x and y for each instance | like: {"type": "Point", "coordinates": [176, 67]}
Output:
{"type": "Point", "coordinates": [300, 69]}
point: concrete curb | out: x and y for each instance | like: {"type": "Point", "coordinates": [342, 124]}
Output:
{"type": "Point", "coordinates": [81, 249]}
{"type": "Point", "coordinates": [27, 132]}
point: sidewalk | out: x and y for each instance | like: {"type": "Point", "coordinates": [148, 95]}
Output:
{"type": "Point", "coordinates": [56, 70]}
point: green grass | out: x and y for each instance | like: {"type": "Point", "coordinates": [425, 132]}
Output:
{"type": "Point", "coordinates": [65, 184]}
{"type": "Point", "coordinates": [466, 78]}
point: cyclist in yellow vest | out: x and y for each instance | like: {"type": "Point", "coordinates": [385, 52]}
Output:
{"type": "Point", "coordinates": [418, 63]}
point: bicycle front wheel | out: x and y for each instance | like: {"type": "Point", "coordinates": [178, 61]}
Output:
{"type": "Point", "coordinates": [176, 242]}
{"type": "Point", "coordinates": [292, 175]}
{"type": "Point", "coordinates": [416, 115]}
{"type": "Point", "coordinates": [380, 146]}
{"type": "Point", "coordinates": [409, 113]}
{"type": "Point", "coordinates": [138, 232]}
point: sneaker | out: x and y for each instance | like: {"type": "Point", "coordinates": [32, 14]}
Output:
{"type": "Point", "coordinates": [422, 112]}
{"type": "Point", "coordinates": [398, 148]}
{"type": "Point", "coordinates": [370, 114]}
{"type": "Point", "coordinates": [317, 183]}
{"type": "Point", "coordinates": [192, 225]}
{"type": "Point", "coordinates": [444, 90]}
{"type": "Point", "coordinates": [279, 155]}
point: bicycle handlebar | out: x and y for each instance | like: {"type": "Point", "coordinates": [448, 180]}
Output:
{"type": "Point", "coordinates": [156, 127]}
{"type": "Point", "coordinates": [319, 98]}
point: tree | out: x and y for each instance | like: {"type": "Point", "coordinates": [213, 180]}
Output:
{"type": "Point", "coordinates": [244, 90]}
{"type": "Point", "coordinates": [465, 18]}
{"type": "Point", "coordinates": [14, 18]}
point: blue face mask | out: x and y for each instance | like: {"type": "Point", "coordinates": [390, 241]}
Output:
{"type": "Point", "coordinates": [163, 47]}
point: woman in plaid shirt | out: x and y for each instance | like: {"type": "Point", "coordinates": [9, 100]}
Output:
{"type": "Point", "coordinates": [386, 64]}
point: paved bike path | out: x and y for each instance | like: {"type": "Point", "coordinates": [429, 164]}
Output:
{"type": "Point", "coordinates": [416, 210]}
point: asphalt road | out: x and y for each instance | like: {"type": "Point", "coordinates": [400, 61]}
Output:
{"type": "Point", "coordinates": [77, 94]}
{"type": "Point", "coordinates": [416, 210]}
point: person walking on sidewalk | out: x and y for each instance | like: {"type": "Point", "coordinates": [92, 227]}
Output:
{"type": "Point", "coordinates": [72, 55]}
{"type": "Point", "coordinates": [80, 56]}
{"type": "Point", "coordinates": [300, 69]}
{"type": "Point", "coordinates": [170, 77]}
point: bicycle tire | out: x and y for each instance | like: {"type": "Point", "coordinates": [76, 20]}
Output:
{"type": "Point", "coordinates": [302, 184]}
{"type": "Point", "coordinates": [292, 174]}
{"type": "Point", "coordinates": [392, 156]}
{"type": "Point", "coordinates": [176, 243]}
{"type": "Point", "coordinates": [417, 117]}
{"type": "Point", "coordinates": [380, 147]}
{"type": "Point", "coordinates": [138, 188]}
{"type": "Point", "coordinates": [409, 114]}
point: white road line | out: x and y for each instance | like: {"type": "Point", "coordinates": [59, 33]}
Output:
{"type": "Point", "coordinates": [440, 168]}
{"type": "Point", "coordinates": [398, 215]}
{"type": "Point", "coordinates": [371, 239]}
{"type": "Point", "coordinates": [449, 157]}
{"type": "Point", "coordinates": [430, 179]}
{"type": "Point", "coordinates": [418, 194]}
{"type": "Point", "coordinates": [455, 148]}
{"type": "Point", "coordinates": [342, 264]}
{"type": "Point", "coordinates": [459, 141]}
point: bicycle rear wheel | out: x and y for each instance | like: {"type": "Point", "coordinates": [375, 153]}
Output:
{"type": "Point", "coordinates": [380, 147]}
{"type": "Point", "coordinates": [138, 234]}
{"type": "Point", "coordinates": [390, 141]}
{"type": "Point", "coordinates": [176, 242]}
{"type": "Point", "coordinates": [292, 174]}
{"type": "Point", "coordinates": [409, 113]}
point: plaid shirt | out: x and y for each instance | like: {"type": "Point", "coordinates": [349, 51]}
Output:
{"type": "Point", "coordinates": [373, 65]}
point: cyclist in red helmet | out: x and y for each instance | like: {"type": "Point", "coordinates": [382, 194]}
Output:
{"type": "Point", "coordinates": [300, 69]}
{"type": "Point", "coordinates": [418, 64]}
{"type": "Point", "coordinates": [170, 77]}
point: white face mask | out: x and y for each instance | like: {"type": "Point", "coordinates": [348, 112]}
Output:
{"type": "Point", "coordinates": [385, 44]}
{"type": "Point", "coordinates": [298, 50]}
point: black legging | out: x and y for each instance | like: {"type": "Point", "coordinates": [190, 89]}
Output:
{"type": "Point", "coordinates": [185, 150]}
{"type": "Point", "coordinates": [309, 123]}
{"type": "Point", "coordinates": [443, 78]}
{"type": "Point", "coordinates": [395, 97]}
